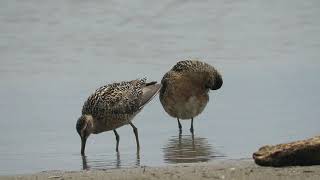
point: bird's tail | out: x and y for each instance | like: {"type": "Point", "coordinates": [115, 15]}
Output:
{"type": "Point", "coordinates": [149, 92]}
{"type": "Point", "coordinates": [151, 83]}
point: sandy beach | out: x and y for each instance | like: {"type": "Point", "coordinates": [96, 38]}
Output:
{"type": "Point", "coordinates": [232, 169]}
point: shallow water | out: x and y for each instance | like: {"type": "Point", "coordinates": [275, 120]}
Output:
{"type": "Point", "coordinates": [55, 53]}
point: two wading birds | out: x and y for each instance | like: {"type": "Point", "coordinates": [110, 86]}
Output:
{"type": "Point", "coordinates": [183, 95]}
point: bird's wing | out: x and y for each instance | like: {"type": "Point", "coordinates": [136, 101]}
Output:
{"type": "Point", "coordinates": [126, 100]}
{"type": "Point", "coordinates": [118, 98]}
{"type": "Point", "coordinates": [137, 96]}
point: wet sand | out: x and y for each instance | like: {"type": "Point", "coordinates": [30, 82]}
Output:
{"type": "Point", "coordinates": [232, 169]}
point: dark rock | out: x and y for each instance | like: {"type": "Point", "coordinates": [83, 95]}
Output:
{"type": "Point", "coordinates": [303, 153]}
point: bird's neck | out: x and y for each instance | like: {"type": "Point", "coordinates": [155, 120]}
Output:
{"type": "Point", "coordinates": [90, 123]}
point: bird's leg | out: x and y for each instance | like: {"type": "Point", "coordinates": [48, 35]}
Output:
{"type": "Point", "coordinates": [118, 165]}
{"type": "Point", "coordinates": [117, 138]}
{"type": "Point", "coordinates": [84, 163]}
{"type": "Point", "coordinates": [138, 158]}
{"type": "Point", "coordinates": [191, 128]}
{"type": "Point", "coordinates": [135, 130]}
{"type": "Point", "coordinates": [179, 125]}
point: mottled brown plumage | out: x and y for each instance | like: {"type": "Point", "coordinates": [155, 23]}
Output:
{"type": "Point", "coordinates": [114, 105]}
{"type": "Point", "coordinates": [184, 92]}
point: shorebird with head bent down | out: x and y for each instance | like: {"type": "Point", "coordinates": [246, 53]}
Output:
{"type": "Point", "coordinates": [112, 106]}
{"type": "Point", "coordinates": [184, 92]}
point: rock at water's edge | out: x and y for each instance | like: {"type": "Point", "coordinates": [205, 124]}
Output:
{"type": "Point", "coordinates": [303, 153]}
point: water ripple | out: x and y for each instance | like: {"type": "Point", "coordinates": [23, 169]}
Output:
{"type": "Point", "coordinates": [189, 149]}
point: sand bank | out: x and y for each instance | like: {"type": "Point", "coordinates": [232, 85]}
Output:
{"type": "Point", "coordinates": [232, 169]}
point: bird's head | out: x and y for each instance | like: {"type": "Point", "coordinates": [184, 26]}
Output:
{"type": "Point", "coordinates": [84, 126]}
{"type": "Point", "coordinates": [214, 80]}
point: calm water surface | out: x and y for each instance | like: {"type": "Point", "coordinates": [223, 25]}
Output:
{"type": "Point", "coordinates": [55, 53]}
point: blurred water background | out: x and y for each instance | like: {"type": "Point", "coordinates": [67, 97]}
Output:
{"type": "Point", "coordinates": [53, 54]}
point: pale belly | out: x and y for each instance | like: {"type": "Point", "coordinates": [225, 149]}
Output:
{"type": "Point", "coordinates": [113, 122]}
{"type": "Point", "coordinates": [188, 109]}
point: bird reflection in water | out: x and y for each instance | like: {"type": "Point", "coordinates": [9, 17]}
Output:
{"type": "Point", "coordinates": [188, 149]}
{"type": "Point", "coordinates": [102, 163]}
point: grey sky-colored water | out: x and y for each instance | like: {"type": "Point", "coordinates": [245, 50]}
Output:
{"type": "Point", "coordinates": [55, 53]}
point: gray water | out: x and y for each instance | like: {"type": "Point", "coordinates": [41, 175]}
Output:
{"type": "Point", "coordinates": [55, 53]}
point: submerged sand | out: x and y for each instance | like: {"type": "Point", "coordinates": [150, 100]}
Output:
{"type": "Point", "coordinates": [233, 169]}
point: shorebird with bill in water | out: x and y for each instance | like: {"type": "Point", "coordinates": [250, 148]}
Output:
{"type": "Point", "coordinates": [112, 106]}
{"type": "Point", "coordinates": [184, 92]}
